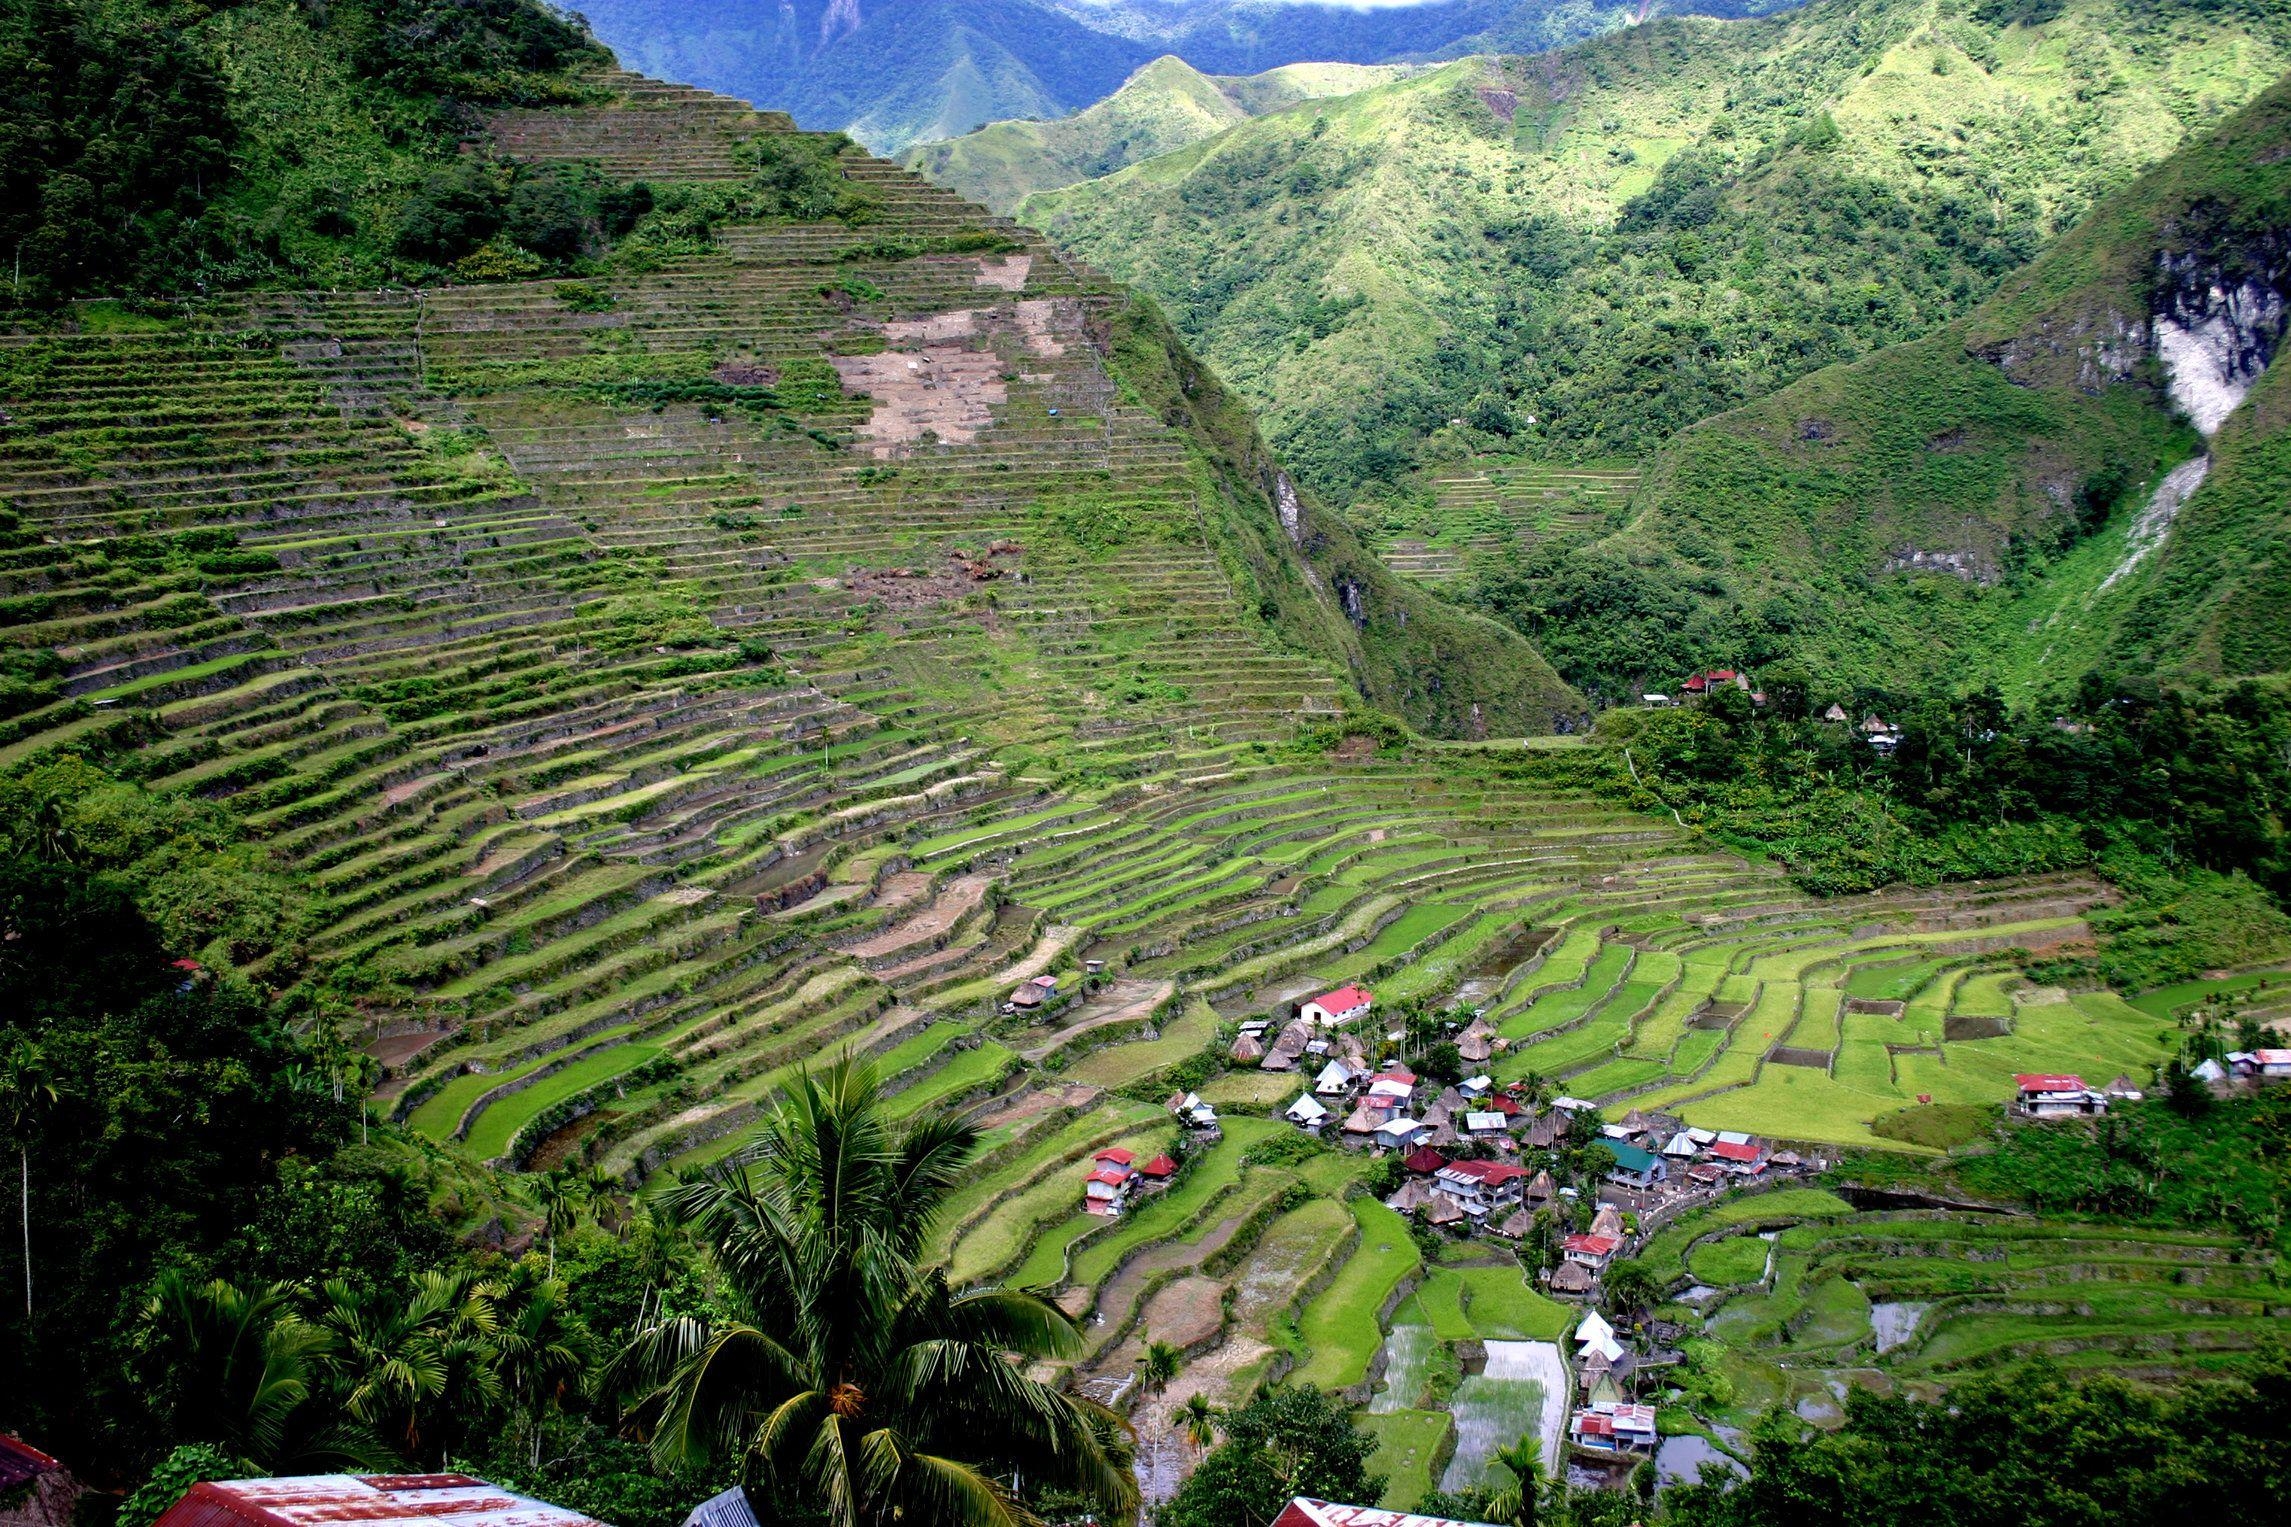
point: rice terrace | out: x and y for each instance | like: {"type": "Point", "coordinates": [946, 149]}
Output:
{"type": "Point", "coordinates": [571, 708]}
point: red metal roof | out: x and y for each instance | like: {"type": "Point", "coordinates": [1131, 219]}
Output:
{"type": "Point", "coordinates": [1115, 1153]}
{"type": "Point", "coordinates": [1160, 1166]}
{"type": "Point", "coordinates": [1344, 999]}
{"type": "Point", "coordinates": [1592, 1245]}
{"type": "Point", "coordinates": [1111, 1176]}
{"type": "Point", "coordinates": [20, 1462]}
{"type": "Point", "coordinates": [378, 1500]}
{"type": "Point", "coordinates": [2048, 1081]}
{"type": "Point", "coordinates": [1424, 1159]}
{"type": "Point", "coordinates": [1489, 1172]}
{"type": "Point", "coordinates": [1727, 1150]}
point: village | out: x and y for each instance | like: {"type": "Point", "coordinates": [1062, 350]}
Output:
{"type": "Point", "coordinates": [1569, 1193]}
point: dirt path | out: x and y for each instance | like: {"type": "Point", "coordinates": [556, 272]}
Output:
{"type": "Point", "coordinates": [960, 898]}
{"type": "Point", "coordinates": [1122, 1002]}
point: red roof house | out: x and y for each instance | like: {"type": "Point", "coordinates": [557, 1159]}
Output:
{"type": "Point", "coordinates": [1160, 1167]}
{"type": "Point", "coordinates": [1594, 1251]}
{"type": "Point", "coordinates": [1741, 1154]}
{"type": "Point", "coordinates": [1424, 1161]}
{"type": "Point", "coordinates": [1116, 1155]}
{"type": "Point", "coordinates": [1340, 1006]}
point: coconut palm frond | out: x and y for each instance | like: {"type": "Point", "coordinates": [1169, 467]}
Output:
{"type": "Point", "coordinates": [706, 1406]}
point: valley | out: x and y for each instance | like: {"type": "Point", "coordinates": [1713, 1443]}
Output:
{"type": "Point", "coordinates": [771, 797]}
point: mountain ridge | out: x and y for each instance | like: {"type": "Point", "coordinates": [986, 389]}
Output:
{"type": "Point", "coordinates": [1165, 105]}
{"type": "Point", "coordinates": [923, 69]}
{"type": "Point", "coordinates": [1638, 231]}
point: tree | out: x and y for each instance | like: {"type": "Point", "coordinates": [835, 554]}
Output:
{"type": "Point", "coordinates": [1286, 1442]}
{"type": "Point", "coordinates": [1159, 1365]}
{"type": "Point", "coordinates": [850, 1379]}
{"type": "Point", "coordinates": [1631, 1289]}
{"type": "Point", "coordinates": [541, 1350]}
{"type": "Point", "coordinates": [420, 1366]}
{"type": "Point", "coordinates": [560, 1194]}
{"type": "Point", "coordinates": [1519, 1503]}
{"type": "Point", "coordinates": [1197, 1418]}
{"type": "Point", "coordinates": [25, 1089]}
{"type": "Point", "coordinates": [241, 1365]}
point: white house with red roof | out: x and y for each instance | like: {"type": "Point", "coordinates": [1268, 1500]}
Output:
{"type": "Point", "coordinates": [1482, 1187]}
{"type": "Point", "coordinates": [1744, 1157]}
{"type": "Point", "coordinates": [1609, 1426]}
{"type": "Point", "coordinates": [2057, 1095]}
{"type": "Point", "coordinates": [2274, 1063]}
{"type": "Point", "coordinates": [1340, 1006]}
{"type": "Point", "coordinates": [1592, 1251]}
{"type": "Point", "coordinates": [1113, 1172]}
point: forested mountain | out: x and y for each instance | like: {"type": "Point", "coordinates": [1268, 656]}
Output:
{"type": "Point", "coordinates": [895, 72]}
{"type": "Point", "coordinates": [1165, 105]}
{"type": "Point", "coordinates": [2086, 471]}
{"type": "Point", "coordinates": [1626, 236]}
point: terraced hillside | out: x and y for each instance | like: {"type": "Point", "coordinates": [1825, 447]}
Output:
{"type": "Point", "coordinates": [664, 680]}
{"type": "Point", "coordinates": [1485, 516]}
{"type": "Point", "coordinates": [1832, 1299]}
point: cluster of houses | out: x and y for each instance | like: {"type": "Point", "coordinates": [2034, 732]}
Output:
{"type": "Point", "coordinates": [2245, 1066]}
{"type": "Point", "coordinates": [1116, 1177]}
{"type": "Point", "coordinates": [1607, 1421]}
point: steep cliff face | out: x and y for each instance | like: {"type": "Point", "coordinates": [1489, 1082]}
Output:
{"type": "Point", "coordinates": [1447, 671]}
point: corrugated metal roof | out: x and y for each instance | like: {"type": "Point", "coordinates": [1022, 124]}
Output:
{"type": "Point", "coordinates": [20, 1463]}
{"type": "Point", "coordinates": [731, 1509]}
{"type": "Point", "coordinates": [320, 1500]}
{"type": "Point", "coordinates": [1320, 1513]}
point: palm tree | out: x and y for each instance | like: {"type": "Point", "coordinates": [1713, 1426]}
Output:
{"type": "Point", "coordinates": [1197, 1418]}
{"type": "Point", "coordinates": [413, 1361]}
{"type": "Point", "coordinates": [25, 1089]}
{"type": "Point", "coordinates": [540, 1351]}
{"type": "Point", "coordinates": [560, 1194]}
{"type": "Point", "coordinates": [852, 1380]}
{"type": "Point", "coordinates": [1160, 1364]}
{"type": "Point", "coordinates": [244, 1363]}
{"type": "Point", "coordinates": [1518, 1503]}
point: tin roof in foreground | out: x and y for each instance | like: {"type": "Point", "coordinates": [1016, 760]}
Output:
{"type": "Point", "coordinates": [368, 1500]}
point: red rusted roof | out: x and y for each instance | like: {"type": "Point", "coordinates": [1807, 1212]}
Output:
{"type": "Point", "coordinates": [374, 1500]}
{"type": "Point", "coordinates": [20, 1463]}
{"type": "Point", "coordinates": [1727, 1150]}
{"type": "Point", "coordinates": [1592, 1245]}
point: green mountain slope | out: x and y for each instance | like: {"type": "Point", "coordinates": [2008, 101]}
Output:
{"type": "Point", "coordinates": [1624, 237]}
{"type": "Point", "coordinates": [2016, 496]}
{"type": "Point", "coordinates": [1166, 105]}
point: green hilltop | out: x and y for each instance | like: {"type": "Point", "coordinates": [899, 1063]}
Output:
{"type": "Point", "coordinates": [1623, 237]}
{"type": "Point", "coordinates": [1165, 105]}
{"type": "Point", "coordinates": [2008, 498]}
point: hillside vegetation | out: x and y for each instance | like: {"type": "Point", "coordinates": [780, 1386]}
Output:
{"type": "Point", "coordinates": [892, 74]}
{"type": "Point", "coordinates": [1626, 236]}
{"type": "Point", "coordinates": [2002, 499]}
{"type": "Point", "coordinates": [1165, 105]}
